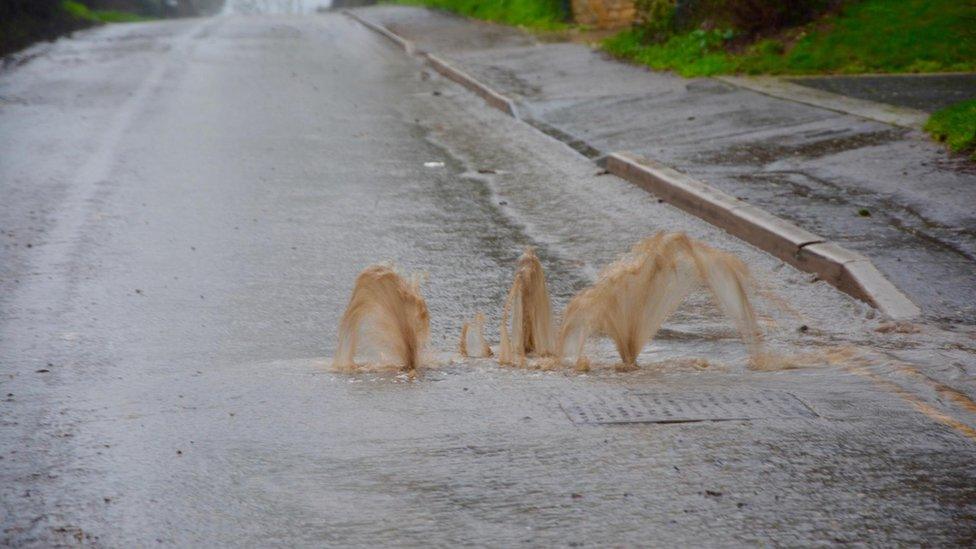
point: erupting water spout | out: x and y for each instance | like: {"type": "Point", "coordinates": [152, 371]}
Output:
{"type": "Point", "coordinates": [527, 317]}
{"type": "Point", "coordinates": [473, 342]}
{"type": "Point", "coordinates": [638, 292]}
{"type": "Point", "coordinates": [389, 314]}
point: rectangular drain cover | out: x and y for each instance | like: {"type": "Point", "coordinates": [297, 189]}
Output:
{"type": "Point", "coordinates": [685, 407]}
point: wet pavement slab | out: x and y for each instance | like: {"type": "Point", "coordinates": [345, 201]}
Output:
{"type": "Point", "coordinates": [927, 93]}
{"type": "Point", "coordinates": [887, 192]}
{"type": "Point", "coordinates": [187, 205]}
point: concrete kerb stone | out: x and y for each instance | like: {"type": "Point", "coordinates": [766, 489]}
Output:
{"type": "Point", "coordinates": [855, 275]}
{"type": "Point", "coordinates": [827, 260]}
{"type": "Point", "coordinates": [864, 278]}
{"type": "Point", "coordinates": [850, 272]}
{"type": "Point", "coordinates": [403, 43]}
{"type": "Point", "coordinates": [770, 233]}
{"type": "Point", "coordinates": [765, 231]}
{"type": "Point", "coordinates": [493, 98]}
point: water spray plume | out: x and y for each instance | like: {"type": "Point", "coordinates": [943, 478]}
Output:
{"type": "Point", "coordinates": [527, 317]}
{"type": "Point", "coordinates": [389, 314]}
{"type": "Point", "coordinates": [473, 342]}
{"type": "Point", "coordinates": [637, 293]}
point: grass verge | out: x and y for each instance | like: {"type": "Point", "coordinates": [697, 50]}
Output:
{"type": "Point", "coordinates": [956, 127]}
{"type": "Point", "coordinates": [883, 36]}
{"type": "Point", "coordinates": [84, 13]}
{"type": "Point", "coordinates": [540, 15]}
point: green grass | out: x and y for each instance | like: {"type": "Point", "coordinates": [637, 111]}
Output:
{"type": "Point", "coordinates": [533, 14]}
{"type": "Point", "coordinates": [84, 13]}
{"type": "Point", "coordinates": [955, 126]}
{"type": "Point", "coordinates": [884, 36]}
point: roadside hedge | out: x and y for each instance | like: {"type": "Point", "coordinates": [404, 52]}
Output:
{"type": "Point", "coordinates": [750, 17]}
{"type": "Point", "coordinates": [23, 22]}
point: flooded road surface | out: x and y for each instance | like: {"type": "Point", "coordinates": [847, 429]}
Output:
{"type": "Point", "coordinates": [186, 207]}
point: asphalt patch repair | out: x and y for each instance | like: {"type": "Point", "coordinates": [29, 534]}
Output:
{"type": "Point", "coordinates": [665, 407]}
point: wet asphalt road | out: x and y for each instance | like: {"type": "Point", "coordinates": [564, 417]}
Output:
{"type": "Point", "coordinates": [186, 207]}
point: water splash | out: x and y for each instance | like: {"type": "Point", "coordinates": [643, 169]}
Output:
{"type": "Point", "coordinates": [473, 342]}
{"type": "Point", "coordinates": [527, 317]}
{"type": "Point", "coordinates": [637, 293]}
{"type": "Point", "coordinates": [389, 315]}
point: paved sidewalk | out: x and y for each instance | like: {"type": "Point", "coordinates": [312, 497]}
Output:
{"type": "Point", "coordinates": [884, 191]}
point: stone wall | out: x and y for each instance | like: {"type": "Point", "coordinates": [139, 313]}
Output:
{"type": "Point", "coordinates": [604, 14]}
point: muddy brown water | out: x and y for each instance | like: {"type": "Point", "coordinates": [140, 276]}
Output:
{"type": "Point", "coordinates": [629, 302]}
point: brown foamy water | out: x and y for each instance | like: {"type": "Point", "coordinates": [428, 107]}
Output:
{"type": "Point", "coordinates": [386, 313]}
{"type": "Point", "coordinates": [635, 295]}
{"type": "Point", "coordinates": [527, 316]}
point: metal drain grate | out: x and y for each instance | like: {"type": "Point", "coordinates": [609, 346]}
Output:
{"type": "Point", "coordinates": [685, 407]}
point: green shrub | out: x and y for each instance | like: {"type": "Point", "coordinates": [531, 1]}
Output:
{"type": "Point", "coordinates": [746, 16]}
{"type": "Point", "coordinates": [769, 46]}
{"type": "Point", "coordinates": [756, 16]}
{"type": "Point", "coordinates": [84, 13]}
{"type": "Point", "coordinates": [655, 18]}
{"type": "Point", "coordinates": [79, 11]}
{"type": "Point", "coordinates": [25, 21]}
{"type": "Point", "coordinates": [698, 53]}
{"type": "Point", "coordinates": [146, 8]}
{"type": "Point", "coordinates": [538, 14]}
{"type": "Point", "coordinates": [866, 36]}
